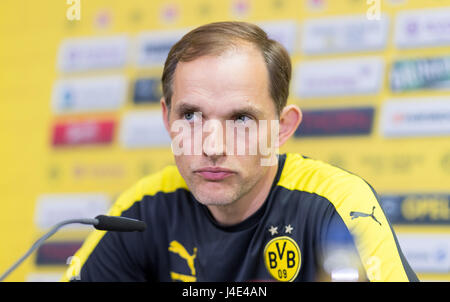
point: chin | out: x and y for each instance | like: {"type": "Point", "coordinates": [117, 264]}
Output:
{"type": "Point", "coordinates": [209, 197]}
{"type": "Point", "coordinates": [213, 193]}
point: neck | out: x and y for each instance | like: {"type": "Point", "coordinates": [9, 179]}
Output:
{"type": "Point", "coordinates": [248, 204]}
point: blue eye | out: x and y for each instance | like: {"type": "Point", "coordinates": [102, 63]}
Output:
{"type": "Point", "coordinates": [243, 118]}
{"type": "Point", "coordinates": [192, 116]}
{"type": "Point", "coordinates": [189, 116]}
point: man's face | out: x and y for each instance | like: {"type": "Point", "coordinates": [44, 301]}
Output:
{"type": "Point", "coordinates": [212, 90]}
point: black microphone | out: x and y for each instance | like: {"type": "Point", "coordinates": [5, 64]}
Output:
{"type": "Point", "coordinates": [119, 224]}
{"type": "Point", "coordinates": [101, 222]}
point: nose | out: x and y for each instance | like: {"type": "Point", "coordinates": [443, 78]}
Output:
{"type": "Point", "coordinates": [213, 143]}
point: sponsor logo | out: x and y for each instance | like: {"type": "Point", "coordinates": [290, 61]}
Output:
{"type": "Point", "coordinates": [153, 47]}
{"type": "Point", "coordinates": [103, 19]}
{"type": "Point", "coordinates": [89, 132]}
{"type": "Point", "coordinates": [142, 129]}
{"type": "Point", "coordinates": [316, 5]}
{"type": "Point", "coordinates": [178, 249]}
{"type": "Point", "coordinates": [147, 90]}
{"type": "Point", "coordinates": [56, 253]}
{"type": "Point", "coordinates": [417, 208]}
{"type": "Point", "coordinates": [170, 13]}
{"type": "Point", "coordinates": [351, 121]}
{"type": "Point", "coordinates": [282, 258]}
{"type": "Point", "coordinates": [393, 164]}
{"type": "Point", "coordinates": [54, 208]}
{"type": "Point", "coordinates": [426, 253]}
{"type": "Point", "coordinates": [338, 77]}
{"type": "Point", "coordinates": [416, 117]}
{"type": "Point", "coordinates": [240, 8]}
{"type": "Point", "coordinates": [53, 172]}
{"type": "Point", "coordinates": [445, 163]}
{"type": "Point", "coordinates": [284, 32]}
{"type": "Point", "coordinates": [344, 34]}
{"type": "Point", "coordinates": [355, 215]}
{"type": "Point", "coordinates": [423, 28]}
{"type": "Point", "coordinates": [428, 73]}
{"type": "Point", "coordinates": [278, 4]}
{"type": "Point", "coordinates": [204, 9]}
{"type": "Point", "coordinates": [106, 93]}
{"type": "Point", "coordinates": [98, 171]}
{"type": "Point", "coordinates": [337, 159]}
{"type": "Point", "coordinates": [85, 54]}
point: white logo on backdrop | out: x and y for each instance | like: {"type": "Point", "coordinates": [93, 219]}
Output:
{"type": "Point", "coordinates": [416, 117]}
{"type": "Point", "coordinates": [54, 208]}
{"type": "Point", "coordinates": [141, 129]}
{"type": "Point", "coordinates": [153, 46]}
{"type": "Point", "coordinates": [429, 27]}
{"type": "Point", "coordinates": [285, 32]}
{"type": "Point", "coordinates": [85, 54]}
{"type": "Point", "coordinates": [426, 253]}
{"type": "Point", "coordinates": [344, 34]}
{"type": "Point", "coordinates": [338, 77]}
{"type": "Point", "coordinates": [104, 93]}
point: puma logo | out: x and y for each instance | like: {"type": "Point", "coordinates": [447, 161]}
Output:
{"type": "Point", "coordinates": [177, 248]}
{"type": "Point", "coordinates": [360, 214]}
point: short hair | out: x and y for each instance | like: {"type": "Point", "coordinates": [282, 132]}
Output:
{"type": "Point", "coordinates": [218, 37]}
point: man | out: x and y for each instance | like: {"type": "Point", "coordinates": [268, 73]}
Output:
{"type": "Point", "coordinates": [226, 212]}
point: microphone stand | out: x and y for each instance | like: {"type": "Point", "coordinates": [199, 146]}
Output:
{"type": "Point", "coordinates": [38, 243]}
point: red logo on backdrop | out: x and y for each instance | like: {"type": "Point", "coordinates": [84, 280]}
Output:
{"type": "Point", "coordinates": [336, 122]}
{"type": "Point", "coordinates": [56, 252]}
{"type": "Point", "coordinates": [83, 132]}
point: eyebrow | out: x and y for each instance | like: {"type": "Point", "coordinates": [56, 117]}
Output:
{"type": "Point", "coordinates": [186, 107]}
{"type": "Point", "coordinates": [245, 110]}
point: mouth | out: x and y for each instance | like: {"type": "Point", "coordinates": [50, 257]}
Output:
{"type": "Point", "coordinates": [214, 173]}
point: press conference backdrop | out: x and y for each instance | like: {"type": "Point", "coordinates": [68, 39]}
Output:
{"type": "Point", "coordinates": [80, 119]}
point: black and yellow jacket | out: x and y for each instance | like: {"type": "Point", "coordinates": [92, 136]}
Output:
{"type": "Point", "coordinates": [311, 212]}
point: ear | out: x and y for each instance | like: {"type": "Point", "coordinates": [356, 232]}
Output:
{"type": "Point", "coordinates": [165, 114]}
{"type": "Point", "coordinates": [290, 119]}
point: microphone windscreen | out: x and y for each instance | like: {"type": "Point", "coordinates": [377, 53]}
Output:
{"type": "Point", "coordinates": [119, 224]}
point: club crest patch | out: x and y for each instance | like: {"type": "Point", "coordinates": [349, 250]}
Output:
{"type": "Point", "coordinates": [282, 258]}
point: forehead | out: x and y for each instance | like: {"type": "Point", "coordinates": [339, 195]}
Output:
{"type": "Point", "coordinates": [238, 76]}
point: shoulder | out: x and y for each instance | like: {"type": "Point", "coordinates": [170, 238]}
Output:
{"type": "Point", "coordinates": [128, 205]}
{"type": "Point", "coordinates": [347, 193]}
{"type": "Point", "coordinates": [166, 180]}
{"type": "Point", "coordinates": [317, 177]}
{"type": "Point", "coordinates": [357, 205]}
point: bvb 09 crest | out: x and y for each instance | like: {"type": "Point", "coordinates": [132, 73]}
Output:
{"type": "Point", "coordinates": [282, 258]}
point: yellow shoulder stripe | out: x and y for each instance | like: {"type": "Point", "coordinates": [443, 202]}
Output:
{"type": "Point", "coordinates": [168, 180]}
{"type": "Point", "coordinates": [349, 193]}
